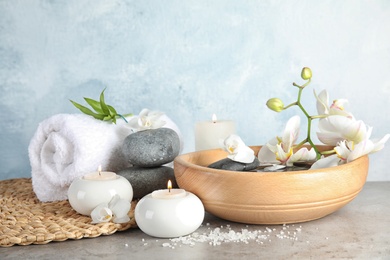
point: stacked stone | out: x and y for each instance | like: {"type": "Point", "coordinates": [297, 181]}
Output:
{"type": "Point", "coordinates": [148, 151]}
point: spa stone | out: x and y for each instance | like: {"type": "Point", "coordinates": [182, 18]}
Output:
{"type": "Point", "coordinates": [151, 148]}
{"type": "Point", "coordinates": [146, 180]}
{"type": "Point", "coordinates": [230, 165]}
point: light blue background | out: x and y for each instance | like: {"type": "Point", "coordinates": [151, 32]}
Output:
{"type": "Point", "coordinates": [190, 59]}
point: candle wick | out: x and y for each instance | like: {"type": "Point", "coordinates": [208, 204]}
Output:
{"type": "Point", "coordinates": [169, 190]}
{"type": "Point", "coordinates": [100, 173]}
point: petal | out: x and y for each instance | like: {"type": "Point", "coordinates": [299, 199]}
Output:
{"type": "Point", "coordinates": [121, 210]}
{"type": "Point", "coordinates": [326, 162]}
{"type": "Point", "coordinates": [123, 219]}
{"type": "Point", "coordinates": [274, 168]}
{"type": "Point", "coordinates": [380, 144]}
{"type": "Point", "coordinates": [302, 154]}
{"type": "Point", "coordinates": [329, 138]}
{"type": "Point", "coordinates": [243, 154]}
{"type": "Point", "coordinates": [343, 149]}
{"type": "Point", "coordinates": [158, 123]}
{"type": "Point", "coordinates": [113, 201]}
{"type": "Point", "coordinates": [360, 149]}
{"type": "Point", "coordinates": [291, 132]}
{"type": "Point", "coordinates": [334, 123]}
{"type": "Point", "coordinates": [144, 112]}
{"type": "Point", "coordinates": [232, 142]}
{"type": "Point", "coordinates": [281, 155]}
{"type": "Point", "coordinates": [356, 131]}
{"type": "Point", "coordinates": [101, 214]}
{"type": "Point", "coordinates": [265, 155]}
{"type": "Point", "coordinates": [322, 102]}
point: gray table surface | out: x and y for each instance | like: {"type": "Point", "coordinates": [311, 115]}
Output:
{"type": "Point", "coordinates": [360, 230]}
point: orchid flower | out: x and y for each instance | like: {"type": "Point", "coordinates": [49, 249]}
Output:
{"type": "Point", "coordinates": [347, 151]}
{"type": "Point", "coordinates": [280, 150]}
{"type": "Point", "coordinates": [339, 125]}
{"type": "Point", "coordinates": [337, 107]}
{"type": "Point", "coordinates": [334, 129]}
{"type": "Point", "coordinates": [116, 210]}
{"type": "Point", "coordinates": [147, 120]}
{"type": "Point", "coordinates": [237, 150]}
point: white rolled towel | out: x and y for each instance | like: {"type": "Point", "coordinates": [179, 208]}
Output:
{"type": "Point", "coordinates": [68, 146]}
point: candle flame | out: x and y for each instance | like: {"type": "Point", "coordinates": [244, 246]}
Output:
{"type": "Point", "coordinates": [99, 169]}
{"type": "Point", "coordinates": [169, 185]}
{"type": "Point", "coordinates": [214, 118]}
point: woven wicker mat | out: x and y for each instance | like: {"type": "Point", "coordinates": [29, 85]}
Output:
{"type": "Point", "coordinates": [24, 220]}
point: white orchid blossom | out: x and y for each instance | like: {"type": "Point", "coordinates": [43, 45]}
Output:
{"type": "Point", "coordinates": [336, 128]}
{"type": "Point", "coordinates": [147, 120]}
{"type": "Point", "coordinates": [339, 124]}
{"type": "Point", "coordinates": [347, 151]}
{"type": "Point", "coordinates": [336, 108]}
{"type": "Point", "coordinates": [280, 150]}
{"type": "Point", "coordinates": [116, 210]}
{"type": "Point", "coordinates": [237, 150]}
{"type": "Point", "coordinates": [102, 213]}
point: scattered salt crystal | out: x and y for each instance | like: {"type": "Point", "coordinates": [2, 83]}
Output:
{"type": "Point", "coordinates": [126, 245]}
{"type": "Point", "coordinates": [217, 236]}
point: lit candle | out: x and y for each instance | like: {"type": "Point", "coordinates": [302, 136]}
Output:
{"type": "Point", "coordinates": [210, 134]}
{"type": "Point", "coordinates": [87, 192]}
{"type": "Point", "coordinates": [100, 175]}
{"type": "Point", "coordinates": [169, 193]}
{"type": "Point", "coordinates": [169, 213]}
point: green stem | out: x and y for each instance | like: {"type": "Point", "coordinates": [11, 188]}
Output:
{"type": "Point", "coordinates": [309, 119]}
{"type": "Point", "coordinates": [290, 105]}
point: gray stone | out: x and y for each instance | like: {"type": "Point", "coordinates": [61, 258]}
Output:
{"type": "Point", "coordinates": [146, 180]}
{"type": "Point", "coordinates": [151, 148]}
{"type": "Point", "coordinates": [228, 164]}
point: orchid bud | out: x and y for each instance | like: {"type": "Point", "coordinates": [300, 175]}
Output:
{"type": "Point", "coordinates": [306, 73]}
{"type": "Point", "coordinates": [275, 104]}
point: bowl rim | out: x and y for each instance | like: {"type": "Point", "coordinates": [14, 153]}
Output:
{"type": "Point", "coordinates": [180, 160]}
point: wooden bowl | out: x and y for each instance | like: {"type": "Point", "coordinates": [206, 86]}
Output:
{"type": "Point", "coordinates": [269, 197]}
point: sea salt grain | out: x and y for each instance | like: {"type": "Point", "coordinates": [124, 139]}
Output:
{"type": "Point", "coordinates": [219, 235]}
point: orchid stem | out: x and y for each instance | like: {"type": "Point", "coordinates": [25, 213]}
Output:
{"type": "Point", "coordinates": [309, 118]}
{"type": "Point", "coordinates": [290, 105]}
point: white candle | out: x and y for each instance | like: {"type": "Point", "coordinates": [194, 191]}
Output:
{"type": "Point", "coordinates": [87, 192]}
{"type": "Point", "coordinates": [169, 213]}
{"type": "Point", "coordinates": [210, 134]}
{"type": "Point", "coordinates": [169, 193]}
{"type": "Point", "coordinates": [100, 175]}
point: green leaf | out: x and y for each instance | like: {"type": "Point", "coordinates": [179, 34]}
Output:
{"type": "Point", "coordinates": [112, 110]}
{"type": "Point", "coordinates": [94, 104]}
{"type": "Point", "coordinates": [103, 105]}
{"type": "Point", "coordinates": [87, 111]}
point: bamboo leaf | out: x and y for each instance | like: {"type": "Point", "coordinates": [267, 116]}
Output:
{"type": "Point", "coordinates": [94, 104]}
{"type": "Point", "coordinates": [87, 111]}
{"type": "Point", "coordinates": [112, 110]}
{"type": "Point", "coordinates": [103, 105]}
